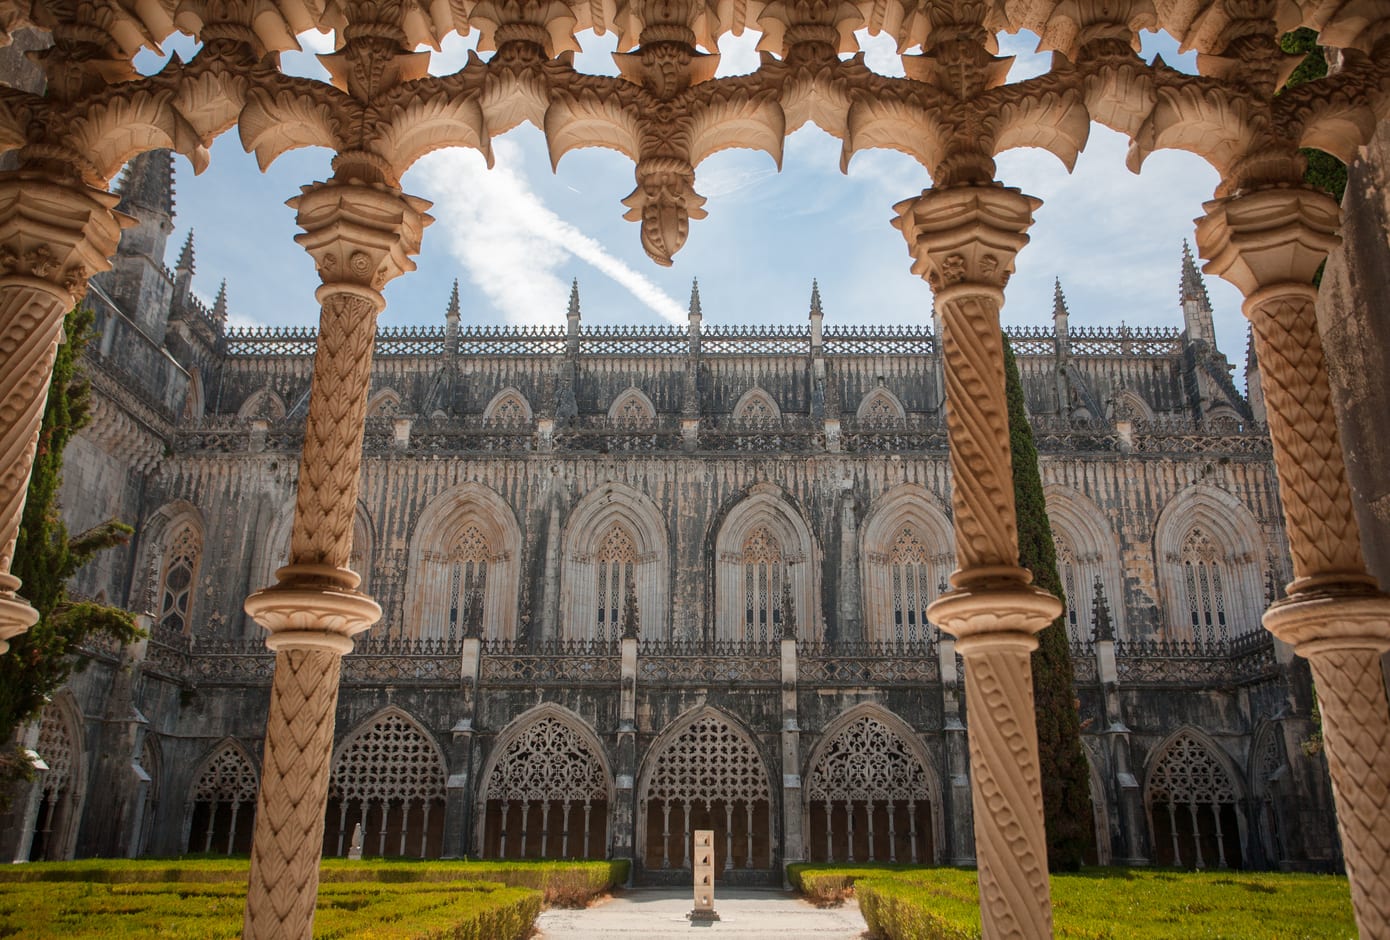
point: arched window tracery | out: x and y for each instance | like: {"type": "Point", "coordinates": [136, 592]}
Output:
{"type": "Point", "coordinates": [910, 565]}
{"type": "Point", "coordinates": [708, 777]}
{"type": "Point", "coordinates": [224, 803]}
{"type": "Point", "coordinates": [389, 778]}
{"type": "Point", "coordinates": [1203, 581]}
{"type": "Point", "coordinates": [1076, 585]}
{"type": "Point", "coordinates": [546, 796]}
{"type": "Point", "coordinates": [757, 408]}
{"type": "Point", "coordinates": [869, 798]}
{"type": "Point", "coordinates": [762, 586]}
{"type": "Point", "coordinates": [1193, 807]}
{"type": "Point", "coordinates": [615, 563]}
{"type": "Point", "coordinates": [181, 558]}
{"type": "Point", "coordinates": [55, 823]}
{"type": "Point", "coordinates": [632, 409]}
{"type": "Point", "coordinates": [467, 574]}
{"type": "Point", "coordinates": [508, 410]}
{"type": "Point", "coordinates": [879, 409]}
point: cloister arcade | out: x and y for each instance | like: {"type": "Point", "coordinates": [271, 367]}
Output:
{"type": "Point", "coordinates": [1265, 231]}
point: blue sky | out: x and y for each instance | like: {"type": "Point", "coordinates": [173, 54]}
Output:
{"type": "Point", "coordinates": [516, 235]}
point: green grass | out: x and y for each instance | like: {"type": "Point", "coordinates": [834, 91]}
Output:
{"type": "Point", "coordinates": [202, 898]}
{"type": "Point", "coordinates": [903, 903]}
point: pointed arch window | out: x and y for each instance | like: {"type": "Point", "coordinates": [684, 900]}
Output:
{"type": "Point", "coordinates": [224, 803]}
{"type": "Point", "coordinates": [180, 572]}
{"type": "Point", "coordinates": [55, 820]}
{"type": "Point", "coordinates": [509, 411]}
{"type": "Point", "coordinates": [757, 408]}
{"type": "Point", "coordinates": [1204, 585]}
{"type": "Point", "coordinates": [389, 779]}
{"type": "Point", "coordinates": [910, 565]}
{"type": "Point", "coordinates": [1076, 588]}
{"type": "Point", "coordinates": [1194, 807]}
{"type": "Point", "coordinates": [614, 561]}
{"type": "Point", "coordinates": [762, 586]}
{"type": "Point", "coordinates": [632, 410]}
{"type": "Point", "coordinates": [467, 575]}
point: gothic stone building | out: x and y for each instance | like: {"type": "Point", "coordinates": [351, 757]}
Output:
{"type": "Point", "coordinates": [641, 581]}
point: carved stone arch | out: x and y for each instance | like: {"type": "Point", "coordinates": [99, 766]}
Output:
{"type": "Point", "coordinates": [881, 408]}
{"type": "Point", "coordinates": [386, 403]}
{"type": "Point", "coordinates": [1217, 524]}
{"type": "Point", "coordinates": [1100, 806]}
{"type": "Point", "coordinates": [1129, 405]}
{"type": "Point", "coordinates": [388, 776]}
{"type": "Point", "coordinates": [768, 527]}
{"type": "Point", "coordinates": [264, 405]}
{"type": "Point", "coordinates": [1194, 798]}
{"type": "Point", "coordinates": [593, 575]}
{"type": "Point", "coordinates": [632, 408]}
{"type": "Point", "coordinates": [546, 789]}
{"type": "Point", "coordinates": [169, 566]}
{"type": "Point", "coordinates": [194, 399]}
{"type": "Point", "coordinates": [706, 771]}
{"type": "Point", "coordinates": [466, 539]}
{"type": "Point", "coordinates": [1272, 792]}
{"type": "Point", "coordinates": [62, 788]}
{"type": "Point", "coordinates": [871, 791]}
{"type": "Point", "coordinates": [222, 800]}
{"type": "Point", "coordinates": [757, 406]}
{"type": "Point", "coordinates": [1080, 525]}
{"type": "Point", "coordinates": [276, 553]}
{"type": "Point", "coordinates": [509, 408]}
{"type": "Point", "coordinates": [1222, 418]}
{"type": "Point", "coordinates": [905, 554]}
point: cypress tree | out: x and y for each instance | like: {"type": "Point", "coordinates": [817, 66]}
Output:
{"type": "Point", "coordinates": [1065, 773]}
{"type": "Point", "coordinates": [46, 557]}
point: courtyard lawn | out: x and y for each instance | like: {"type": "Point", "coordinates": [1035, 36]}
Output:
{"type": "Point", "coordinates": [202, 898]}
{"type": "Point", "coordinates": [903, 903]}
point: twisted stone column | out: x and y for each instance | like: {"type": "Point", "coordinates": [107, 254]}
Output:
{"type": "Point", "coordinates": [1269, 243]}
{"type": "Point", "coordinates": [360, 236]}
{"type": "Point", "coordinates": [53, 236]}
{"type": "Point", "coordinates": [964, 240]}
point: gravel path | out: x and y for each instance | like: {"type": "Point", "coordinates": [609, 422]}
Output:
{"type": "Point", "coordinates": [745, 913]}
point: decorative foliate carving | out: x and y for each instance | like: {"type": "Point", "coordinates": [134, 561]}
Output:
{"type": "Point", "coordinates": [867, 760]}
{"type": "Point", "coordinates": [548, 761]}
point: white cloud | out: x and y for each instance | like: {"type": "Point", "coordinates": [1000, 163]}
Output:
{"type": "Point", "coordinates": [511, 244]}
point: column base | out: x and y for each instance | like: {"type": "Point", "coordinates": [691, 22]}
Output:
{"type": "Point", "coordinates": [989, 607]}
{"type": "Point", "coordinates": [313, 607]}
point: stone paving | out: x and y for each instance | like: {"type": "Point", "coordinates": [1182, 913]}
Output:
{"type": "Point", "coordinates": [744, 913]}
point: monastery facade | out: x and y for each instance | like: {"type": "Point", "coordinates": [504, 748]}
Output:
{"type": "Point", "coordinates": [636, 582]}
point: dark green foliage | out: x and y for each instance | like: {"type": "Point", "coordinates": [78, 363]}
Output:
{"type": "Point", "coordinates": [1324, 170]}
{"type": "Point", "coordinates": [46, 556]}
{"type": "Point", "coordinates": [1066, 784]}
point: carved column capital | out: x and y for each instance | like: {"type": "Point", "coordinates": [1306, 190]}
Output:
{"type": "Point", "coordinates": [55, 235]}
{"type": "Point", "coordinates": [1270, 236]}
{"type": "Point", "coordinates": [313, 607]}
{"type": "Point", "coordinates": [360, 235]}
{"type": "Point", "coordinates": [966, 234]}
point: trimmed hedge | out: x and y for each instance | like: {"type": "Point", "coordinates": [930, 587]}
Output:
{"type": "Point", "coordinates": [203, 898]}
{"type": "Point", "coordinates": [213, 911]}
{"type": "Point", "coordinates": [901, 903]}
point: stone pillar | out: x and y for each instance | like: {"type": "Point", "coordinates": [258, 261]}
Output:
{"type": "Point", "coordinates": [964, 240]}
{"type": "Point", "coordinates": [622, 840]}
{"type": "Point", "coordinates": [360, 236]}
{"type": "Point", "coordinates": [53, 236]}
{"type": "Point", "coordinates": [1269, 243]}
{"type": "Point", "coordinates": [459, 796]}
{"type": "Point", "coordinates": [793, 841]}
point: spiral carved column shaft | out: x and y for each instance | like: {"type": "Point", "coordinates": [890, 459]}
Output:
{"type": "Point", "coordinates": [1269, 244]}
{"type": "Point", "coordinates": [964, 240]}
{"type": "Point", "coordinates": [360, 236]}
{"type": "Point", "coordinates": [53, 236]}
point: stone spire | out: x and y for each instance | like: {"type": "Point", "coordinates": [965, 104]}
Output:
{"type": "Point", "coordinates": [1100, 614]}
{"type": "Point", "coordinates": [1196, 305]}
{"type": "Point", "coordinates": [816, 316]}
{"type": "Point", "coordinates": [1254, 385]}
{"type": "Point", "coordinates": [572, 314]}
{"type": "Point", "coordinates": [695, 312]}
{"type": "Point", "coordinates": [632, 622]}
{"type": "Point", "coordinates": [451, 320]}
{"type": "Point", "coordinates": [186, 255]}
{"type": "Point", "coordinates": [1061, 317]}
{"type": "Point", "coordinates": [219, 306]}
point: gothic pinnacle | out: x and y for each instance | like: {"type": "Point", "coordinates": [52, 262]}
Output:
{"type": "Point", "coordinates": [219, 306]}
{"type": "Point", "coordinates": [1192, 287]}
{"type": "Point", "coordinates": [1059, 300]}
{"type": "Point", "coordinates": [186, 255]}
{"type": "Point", "coordinates": [816, 310]}
{"type": "Point", "coordinates": [452, 312]}
{"type": "Point", "coordinates": [574, 299]}
{"type": "Point", "coordinates": [695, 297]}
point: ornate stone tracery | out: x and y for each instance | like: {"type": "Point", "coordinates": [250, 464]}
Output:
{"type": "Point", "coordinates": [547, 794]}
{"type": "Point", "coordinates": [224, 802]}
{"type": "Point", "coordinates": [388, 776]}
{"type": "Point", "coordinates": [61, 787]}
{"type": "Point", "coordinates": [869, 797]}
{"type": "Point", "coordinates": [705, 774]}
{"type": "Point", "coordinates": [1193, 806]}
{"type": "Point", "coordinates": [180, 575]}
